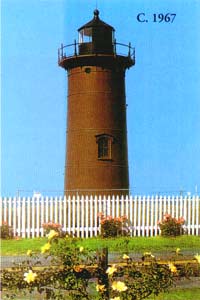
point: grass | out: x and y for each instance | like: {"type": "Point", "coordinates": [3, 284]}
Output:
{"type": "Point", "coordinates": [179, 294]}
{"type": "Point", "coordinates": [135, 244]}
{"type": "Point", "coordinates": [20, 247]}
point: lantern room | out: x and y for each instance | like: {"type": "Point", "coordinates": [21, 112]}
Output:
{"type": "Point", "coordinates": [96, 37]}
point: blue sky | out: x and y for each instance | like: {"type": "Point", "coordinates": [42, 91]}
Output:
{"type": "Point", "coordinates": [162, 91]}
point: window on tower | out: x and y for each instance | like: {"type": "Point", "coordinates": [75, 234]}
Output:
{"type": "Point", "coordinates": [104, 142]}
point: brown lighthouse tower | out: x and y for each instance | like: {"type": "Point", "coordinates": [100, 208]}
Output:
{"type": "Point", "coordinates": [96, 155]}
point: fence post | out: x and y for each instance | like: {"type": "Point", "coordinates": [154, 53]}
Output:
{"type": "Point", "coordinates": [102, 276]}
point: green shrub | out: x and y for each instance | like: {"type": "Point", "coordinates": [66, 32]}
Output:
{"type": "Point", "coordinates": [114, 227]}
{"type": "Point", "coordinates": [6, 231]}
{"type": "Point", "coordinates": [171, 226]}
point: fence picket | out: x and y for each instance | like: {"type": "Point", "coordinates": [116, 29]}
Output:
{"type": "Point", "coordinates": [19, 215]}
{"type": "Point", "coordinates": [193, 214]}
{"type": "Point", "coordinates": [28, 228]}
{"type": "Point", "coordinates": [143, 215]}
{"type": "Point", "coordinates": [117, 207]}
{"type": "Point", "coordinates": [65, 214]}
{"type": "Point", "coordinates": [156, 215]}
{"type": "Point", "coordinates": [135, 216]}
{"type": "Point", "coordinates": [168, 205]}
{"type": "Point", "coordinates": [38, 216]}
{"type": "Point", "coordinates": [5, 210]}
{"type": "Point", "coordinates": [82, 217]}
{"type": "Point", "coordinates": [95, 216]}
{"type": "Point", "coordinates": [197, 217]}
{"type": "Point", "coordinates": [181, 207]}
{"type": "Point", "coordinates": [160, 214]}
{"type": "Point", "coordinates": [14, 216]}
{"type": "Point", "coordinates": [147, 216]}
{"type": "Point", "coordinates": [172, 207]}
{"type": "Point", "coordinates": [113, 206]}
{"type": "Point", "coordinates": [131, 215]}
{"type": "Point", "coordinates": [78, 216]}
{"type": "Point", "coordinates": [51, 209]}
{"type": "Point", "coordinates": [127, 205]}
{"type": "Point", "coordinates": [122, 207]}
{"type": "Point", "coordinates": [152, 215]}
{"type": "Point", "coordinates": [33, 218]}
{"type": "Point", "coordinates": [87, 215]}
{"type": "Point", "coordinates": [69, 215]}
{"type": "Point", "coordinates": [177, 208]}
{"type": "Point", "coordinates": [56, 210]}
{"type": "Point", "coordinates": [91, 216]}
{"type": "Point", "coordinates": [185, 209]}
{"type": "Point", "coordinates": [24, 218]}
{"type": "Point", "coordinates": [46, 210]}
{"type": "Point", "coordinates": [60, 215]}
{"type": "Point", "coordinates": [189, 215]}
{"type": "Point", "coordinates": [42, 216]}
{"type": "Point", "coordinates": [10, 211]}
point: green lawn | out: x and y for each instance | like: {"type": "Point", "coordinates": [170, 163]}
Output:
{"type": "Point", "coordinates": [179, 294]}
{"type": "Point", "coordinates": [135, 244]}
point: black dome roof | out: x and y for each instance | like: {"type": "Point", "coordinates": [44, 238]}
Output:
{"type": "Point", "coordinates": [96, 22]}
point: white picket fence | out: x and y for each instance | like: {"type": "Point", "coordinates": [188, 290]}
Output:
{"type": "Point", "coordinates": [79, 215]}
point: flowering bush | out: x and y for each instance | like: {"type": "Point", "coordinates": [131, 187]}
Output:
{"type": "Point", "coordinates": [75, 273]}
{"type": "Point", "coordinates": [113, 227]}
{"type": "Point", "coordinates": [6, 231]}
{"type": "Point", "coordinates": [132, 281]}
{"type": "Point", "coordinates": [171, 226]}
{"type": "Point", "coordinates": [51, 226]}
{"type": "Point", "coordinates": [63, 276]}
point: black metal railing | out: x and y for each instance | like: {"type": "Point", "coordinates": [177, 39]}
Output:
{"type": "Point", "coordinates": [71, 50]}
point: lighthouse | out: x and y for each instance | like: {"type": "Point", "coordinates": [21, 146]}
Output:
{"type": "Point", "coordinates": [96, 138]}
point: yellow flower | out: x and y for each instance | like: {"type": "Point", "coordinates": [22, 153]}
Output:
{"type": "Point", "coordinates": [197, 257]}
{"type": "Point", "coordinates": [29, 252]}
{"type": "Point", "coordinates": [178, 250]}
{"type": "Point", "coordinates": [100, 288]}
{"type": "Point", "coordinates": [45, 248]}
{"type": "Point", "coordinates": [52, 234]}
{"type": "Point", "coordinates": [116, 298]}
{"type": "Point", "coordinates": [148, 254]}
{"type": "Point", "coordinates": [119, 286]}
{"type": "Point", "coordinates": [81, 249]}
{"type": "Point", "coordinates": [172, 268]}
{"type": "Point", "coordinates": [111, 270]}
{"type": "Point", "coordinates": [125, 256]}
{"type": "Point", "coordinates": [30, 276]}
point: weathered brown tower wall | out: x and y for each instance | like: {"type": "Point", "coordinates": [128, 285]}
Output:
{"type": "Point", "coordinates": [96, 105]}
